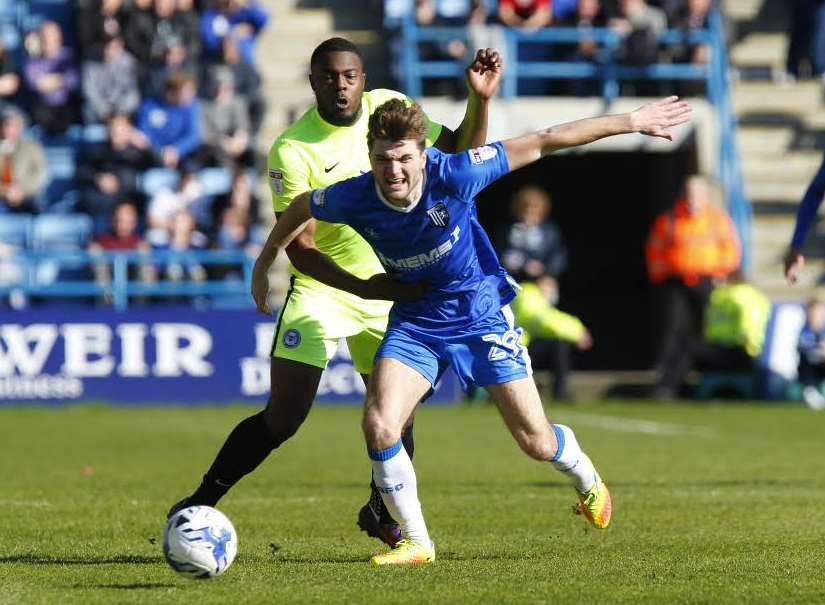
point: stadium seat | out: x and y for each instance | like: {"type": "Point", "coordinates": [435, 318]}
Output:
{"type": "Point", "coordinates": [94, 134]}
{"type": "Point", "coordinates": [15, 229]}
{"type": "Point", "coordinates": [155, 179]}
{"type": "Point", "coordinates": [60, 195]}
{"type": "Point", "coordinates": [61, 232]}
{"type": "Point", "coordinates": [215, 181]}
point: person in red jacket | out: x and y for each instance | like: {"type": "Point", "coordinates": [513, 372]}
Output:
{"type": "Point", "coordinates": [690, 247]}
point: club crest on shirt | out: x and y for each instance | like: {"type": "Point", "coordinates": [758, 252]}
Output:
{"type": "Point", "coordinates": [372, 233]}
{"type": "Point", "coordinates": [292, 338]}
{"type": "Point", "coordinates": [482, 154]}
{"type": "Point", "coordinates": [276, 178]}
{"type": "Point", "coordinates": [439, 215]}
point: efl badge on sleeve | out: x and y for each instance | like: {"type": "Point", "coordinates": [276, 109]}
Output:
{"type": "Point", "coordinates": [482, 154]}
{"type": "Point", "coordinates": [439, 215]}
{"type": "Point", "coordinates": [276, 178]}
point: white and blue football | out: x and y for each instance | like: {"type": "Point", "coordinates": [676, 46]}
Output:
{"type": "Point", "coordinates": [200, 542]}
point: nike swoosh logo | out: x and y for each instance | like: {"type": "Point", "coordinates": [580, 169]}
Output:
{"type": "Point", "coordinates": [331, 168]}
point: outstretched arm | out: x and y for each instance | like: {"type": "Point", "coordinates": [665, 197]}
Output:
{"type": "Point", "coordinates": [483, 77]}
{"type": "Point", "coordinates": [654, 119]}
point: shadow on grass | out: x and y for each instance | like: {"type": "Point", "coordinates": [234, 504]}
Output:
{"type": "Point", "coordinates": [133, 586]}
{"type": "Point", "coordinates": [671, 484]}
{"type": "Point", "coordinates": [315, 560]}
{"type": "Point", "coordinates": [37, 559]}
{"type": "Point", "coordinates": [442, 556]}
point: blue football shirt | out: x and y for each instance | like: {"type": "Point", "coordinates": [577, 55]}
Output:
{"type": "Point", "coordinates": [438, 239]}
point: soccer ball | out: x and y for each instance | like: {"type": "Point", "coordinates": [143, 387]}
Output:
{"type": "Point", "coordinates": [200, 542]}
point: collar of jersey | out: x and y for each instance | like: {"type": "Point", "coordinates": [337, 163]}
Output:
{"type": "Point", "coordinates": [409, 208]}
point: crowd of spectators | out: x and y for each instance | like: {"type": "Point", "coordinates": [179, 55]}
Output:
{"type": "Point", "coordinates": [174, 86]}
{"type": "Point", "coordinates": [638, 22]}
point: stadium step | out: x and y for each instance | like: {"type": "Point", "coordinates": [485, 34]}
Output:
{"type": "Point", "coordinates": [781, 135]}
{"type": "Point", "coordinates": [760, 49]}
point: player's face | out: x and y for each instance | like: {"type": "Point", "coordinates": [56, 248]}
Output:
{"type": "Point", "coordinates": [398, 167]}
{"type": "Point", "coordinates": [338, 79]}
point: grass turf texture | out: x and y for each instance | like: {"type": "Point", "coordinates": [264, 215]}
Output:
{"type": "Point", "coordinates": [712, 504]}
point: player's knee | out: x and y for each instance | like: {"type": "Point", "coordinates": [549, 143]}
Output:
{"type": "Point", "coordinates": [378, 433]}
{"type": "Point", "coordinates": [282, 423]}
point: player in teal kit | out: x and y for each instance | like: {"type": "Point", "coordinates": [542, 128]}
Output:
{"type": "Point", "coordinates": [416, 209]}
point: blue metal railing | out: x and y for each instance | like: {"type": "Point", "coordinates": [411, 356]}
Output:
{"type": "Point", "coordinates": [609, 72]}
{"type": "Point", "coordinates": [121, 287]}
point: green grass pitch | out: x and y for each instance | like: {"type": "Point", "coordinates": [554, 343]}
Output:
{"type": "Point", "coordinates": [713, 504]}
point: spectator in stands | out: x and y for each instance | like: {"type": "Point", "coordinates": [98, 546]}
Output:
{"type": "Point", "coordinates": [172, 123]}
{"type": "Point", "coordinates": [587, 15]}
{"type": "Point", "coordinates": [175, 59]}
{"type": "Point", "coordinates": [734, 332]}
{"type": "Point", "coordinates": [225, 130]}
{"type": "Point", "coordinates": [247, 83]}
{"type": "Point", "coordinates": [140, 30]}
{"type": "Point", "coordinates": [532, 247]}
{"type": "Point", "coordinates": [123, 236]}
{"type": "Point", "coordinates": [806, 52]}
{"type": "Point", "coordinates": [693, 16]}
{"type": "Point", "coordinates": [564, 9]}
{"type": "Point", "coordinates": [9, 79]}
{"type": "Point", "coordinates": [185, 237]}
{"type": "Point", "coordinates": [235, 232]}
{"type": "Point", "coordinates": [97, 22]}
{"type": "Point", "coordinates": [241, 197]}
{"type": "Point", "coordinates": [186, 195]}
{"type": "Point", "coordinates": [190, 26]}
{"type": "Point", "coordinates": [110, 84]}
{"type": "Point", "coordinates": [23, 169]}
{"type": "Point", "coordinates": [812, 353]}
{"type": "Point", "coordinates": [640, 26]}
{"type": "Point", "coordinates": [109, 172]}
{"type": "Point", "coordinates": [689, 248]}
{"type": "Point", "coordinates": [53, 80]}
{"type": "Point", "coordinates": [528, 15]}
{"type": "Point", "coordinates": [172, 24]}
{"type": "Point", "coordinates": [241, 20]}
{"type": "Point", "coordinates": [450, 14]}
{"type": "Point", "coordinates": [152, 27]}
{"type": "Point", "coordinates": [549, 332]}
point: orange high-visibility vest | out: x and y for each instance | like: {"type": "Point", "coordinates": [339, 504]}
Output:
{"type": "Point", "coordinates": [692, 246]}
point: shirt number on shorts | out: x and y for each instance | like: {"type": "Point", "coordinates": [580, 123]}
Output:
{"type": "Point", "coordinates": [504, 345]}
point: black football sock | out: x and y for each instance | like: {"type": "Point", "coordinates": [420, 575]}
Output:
{"type": "Point", "coordinates": [247, 446]}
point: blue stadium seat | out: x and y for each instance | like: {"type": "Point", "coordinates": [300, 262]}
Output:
{"type": "Point", "coordinates": [15, 229]}
{"type": "Point", "coordinates": [61, 194]}
{"type": "Point", "coordinates": [62, 232]}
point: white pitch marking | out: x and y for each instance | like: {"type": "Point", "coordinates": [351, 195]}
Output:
{"type": "Point", "coordinates": [636, 425]}
{"type": "Point", "coordinates": [25, 503]}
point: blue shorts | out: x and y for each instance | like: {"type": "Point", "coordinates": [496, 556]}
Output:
{"type": "Point", "coordinates": [488, 353]}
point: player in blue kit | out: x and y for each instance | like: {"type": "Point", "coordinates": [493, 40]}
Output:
{"type": "Point", "coordinates": [416, 209]}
